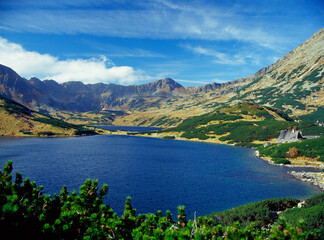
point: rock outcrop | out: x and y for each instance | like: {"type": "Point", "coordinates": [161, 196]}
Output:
{"type": "Point", "coordinates": [316, 178]}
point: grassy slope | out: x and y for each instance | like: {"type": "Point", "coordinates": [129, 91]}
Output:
{"type": "Point", "coordinates": [317, 115]}
{"type": "Point", "coordinates": [296, 90]}
{"type": "Point", "coordinates": [17, 120]}
{"type": "Point", "coordinates": [89, 118]}
{"type": "Point", "coordinates": [258, 123]}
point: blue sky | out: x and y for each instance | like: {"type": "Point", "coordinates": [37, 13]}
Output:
{"type": "Point", "coordinates": [133, 42]}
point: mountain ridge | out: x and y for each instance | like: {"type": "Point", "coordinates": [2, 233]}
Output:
{"type": "Point", "coordinates": [49, 93]}
{"type": "Point", "coordinates": [35, 90]}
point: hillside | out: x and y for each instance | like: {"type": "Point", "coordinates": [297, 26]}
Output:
{"type": "Point", "coordinates": [18, 120]}
{"type": "Point", "coordinates": [241, 123]}
{"type": "Point", "coordinates": [294, 83]}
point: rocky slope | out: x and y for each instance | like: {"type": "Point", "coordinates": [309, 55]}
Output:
{"type": "Point", "coordinates": [295, 83]}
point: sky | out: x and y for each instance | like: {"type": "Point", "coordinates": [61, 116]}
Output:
{"type": "Point", "coordinates": [134, 42]}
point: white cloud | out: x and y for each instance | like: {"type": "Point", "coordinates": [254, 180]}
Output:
{"type": "Point", "coordinates": [219, 57]}
{"type": "Point", "coordinates": [192, 81]}
{"type": "Point", "coordinates": [91, 70]}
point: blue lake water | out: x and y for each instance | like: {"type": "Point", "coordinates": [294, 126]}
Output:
{"type": "Point", "coordinates": [158, 174]}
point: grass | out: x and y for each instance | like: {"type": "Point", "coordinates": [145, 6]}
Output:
{"type": "Point", "coordinates": [281, 161]}
{"type": "Point", "coordinates": [317, 115]}
{"type": "Point", "coordinates": [312, 214]}
{"type": "Point", "coordinates": [313, 148]}
{"type": "Point", "coordinates": [258, 212]}
{"type": "Point", "coordinates": [13, 107]}
{"type": "Point", "coordinates": [56, 123]}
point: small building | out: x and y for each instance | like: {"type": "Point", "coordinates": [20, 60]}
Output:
{"type": "Point", "coordinates": [289, 136]}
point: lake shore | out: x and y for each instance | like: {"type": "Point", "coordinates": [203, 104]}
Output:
{"type": "Point", "coordinates": [315, 178]}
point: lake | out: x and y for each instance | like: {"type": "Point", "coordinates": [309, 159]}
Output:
{"type": "Point", "coordinates": [158, 174]}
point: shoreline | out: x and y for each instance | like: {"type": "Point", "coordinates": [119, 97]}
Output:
{"type": "Point", "coordinates": [268, 160]}
{"type": "Point", "coordinates": [314, 178]}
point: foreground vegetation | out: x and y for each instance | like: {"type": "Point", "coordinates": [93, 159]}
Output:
{"type": "Point", "coordinates": [27, 212]}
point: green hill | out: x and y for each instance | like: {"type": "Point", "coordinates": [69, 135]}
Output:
{"type": "Point", "coordinates": [18, 120]}
{"type": "Point", "coordinates": [317, 115]}
{"type": "Point", "coordinates": [242, 124]}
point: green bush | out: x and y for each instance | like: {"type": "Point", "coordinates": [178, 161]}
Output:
{"type": "Point", "coordinates": [56, 122]}
{"type": "Point", "coordinates": [314, 200]}
{"type": "Point", "coordinates": [314, 76]}
{"type": "Point", "coordinates": [281, 161]}
{"type": "Point", "coordinates": [259, 212]}
{"type": "Point", "coordinates": [314, 116]}
{"type": "Point", "coordinates": [313, 216]}
{"type": "Point", "coordinates": [244, 112]}
{"type": "Point", "coordinates": [46, 133]}
{"type": "Point", "coordinates": [169, 137]}
{"type": "Point", "coordinates": [286, 100]}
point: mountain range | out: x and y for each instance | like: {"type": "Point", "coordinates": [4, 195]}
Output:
{"type": "Point", "coordinates": [294, 84]}
{"type": "Point", "coordinates": [76, 96]}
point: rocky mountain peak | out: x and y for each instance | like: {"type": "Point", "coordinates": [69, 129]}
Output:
{"type": "Point", "coordinates": [167, 84]}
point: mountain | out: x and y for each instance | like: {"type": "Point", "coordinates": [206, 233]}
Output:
{"type": "Point", "coordinates": [76, 96]}
{"type": "Point", "coordinates": [293, 84]}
